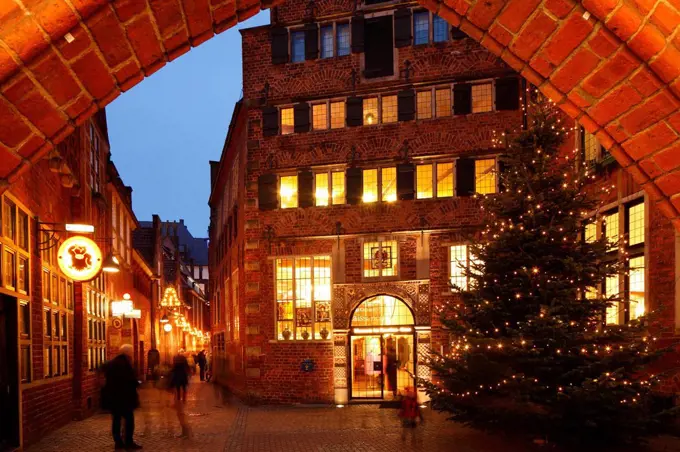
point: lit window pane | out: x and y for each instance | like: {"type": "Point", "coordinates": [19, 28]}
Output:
{"type": "Point", "coordinates": [370, 111]}
{"type": "Point", "coordinates": [389, 109]}
{"type": "Point", "coordinates": [338, 180]}
{"type": "Point", "coordinates": [636, 275]}
{"type": "Point", "coordinates": [380, 259]}
{"type": "Point", "coordinates": [321, 191]}
{"type": "Point", "coordinates": [424, 181]}
{"type": "Point", "coordinates": [9, 265]}
{"type": "Point", "coordinates": [370, 185]}
{"type": "Point", "coordinates": [343, 39]}
{"type": "Point", "coordinates": [297, 46]}
{"type": "Point", "coordinates": [444, 179]}
{"type": "Point", "coordinates": [458, 265]}
{"type": "Point", "coordinates": [421, 27]}
{"type": "Point", "coordinates": [327, 41]}
{"type": "Point", "coordinates": [371, 270]}
{"type": "Point", "coordinates": [424, 104]}
{"type": "Point", "coordinates": [443, 102]}
{"type": "Point", "coordinates": [612, 290]}
{"type": "Point", "coordinates": [389, 257]}
{"type": "Point", "coordinates": [289, 191]}
{"type": "Point", "coordinates": [611, 230]}
{"type": "Point", "coordinates": [337, 115]}
{"type": "Point", "coordinates": [284, 296]}
{"type": "Point", "coordinates": [482, 100]}
{"type": "Point", "coordinates": [591, 147]}
{"type": "Point", "coordinates": [319, 117]}
{"type": "Point", "coordinates": [389, 184]}
{"type": "Point", "coordinates": [636, 224]}
{"type": "Point", "coordinates": [485, 176]}
{"type": "Point", "coordinates": [590, 232]}
{"type": "Point", "coordinates": [303, 296]}
{"type": "Point", "coordinates": [287, 121]}
{"type": "Point", "coordinates": [440, 28]}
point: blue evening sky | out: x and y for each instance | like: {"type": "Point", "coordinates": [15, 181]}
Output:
{"type": "Point", "coordinates": [164, 131]}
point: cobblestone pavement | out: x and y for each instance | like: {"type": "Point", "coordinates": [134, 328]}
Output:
{"type": "Point", "coordinates": [220, 424]}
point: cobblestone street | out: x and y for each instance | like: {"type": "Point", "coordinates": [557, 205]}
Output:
{"type": "Point", "coordinates": [222, 425]}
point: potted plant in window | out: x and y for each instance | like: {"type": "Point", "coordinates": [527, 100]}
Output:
{"type": "Point", "coordinates": [305, 334]}
{"type": "Point", "coordinates": [286, 333]}
{"type": "Point", "coordinates": [324, 333]}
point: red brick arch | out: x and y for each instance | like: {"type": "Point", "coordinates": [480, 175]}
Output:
{"type": "Point", "coordinates": [612, 64]}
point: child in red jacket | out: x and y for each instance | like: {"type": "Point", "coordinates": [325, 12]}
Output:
{"type": "Point", "coordinates": [409, 413]}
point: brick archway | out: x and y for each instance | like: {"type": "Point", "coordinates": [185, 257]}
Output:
{"type": "Point", "coordinates": [612, 64]}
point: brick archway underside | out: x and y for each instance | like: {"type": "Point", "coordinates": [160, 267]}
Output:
{"type": "Point", "coordinates": [612, 64]}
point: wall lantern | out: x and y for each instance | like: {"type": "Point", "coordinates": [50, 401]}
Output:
{"type": "Point", "coordinates": [111, 264]}
{"type": "Point", "coordinates": [80, 259]}
{"type": "Point", "coordinates": [167, 327]}
{"type": "Point", "coordinates": [79, 228]}
{"type": "Point", "coordinates": [165, 319]}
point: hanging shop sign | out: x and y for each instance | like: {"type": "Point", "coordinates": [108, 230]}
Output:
{"type": "Point", "coordinates": [134, 314]}
{"type": "Point", "coordinates": [121, 308]}
{"type": "Point", "coordinates": [80, 259]}
{"type": "Point", "coordinates": [117, 323]}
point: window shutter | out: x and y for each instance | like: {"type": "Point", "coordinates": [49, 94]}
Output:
{"type": "Point", "coordinates": [405, 181]}
{"type": "Point", "coordinates": [406, 105]}
{"type": "Point", "coordinates": [301, 117]}
{"type": "Point", "coordinates": [355, 107]}
{"type": "Point", "coordinates": [462, 99]}
{"type": "Point", "coordinates": [456, 34]}
{"type": "Point", "coordinates": [357, 34]}
{"type": "Point", "coordinates": [279, 41]}
{"type": "Point", "coordinates": [270, 121]}
{"type": "Point", "coordinates": [465, 177]}
{"type": "Point", "coordinates": [306, 189]}
{"type": "Point", "coordinates": [267, 192]}
{"type": "Point", "coordinates": [402, 27]}
{"type": "Point", "coordinates": [355, 185]}
{"type": "Point", "coordinates": [311, 41]}
{"type": "Point", "coordinates": [507, 93]}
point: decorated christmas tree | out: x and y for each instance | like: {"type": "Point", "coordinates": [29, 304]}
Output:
{"type": "Point", "coordinates": [530, 348]}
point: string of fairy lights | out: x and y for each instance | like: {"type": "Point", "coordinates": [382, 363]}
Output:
{"type": "Point", "coordinates": [597, 335]}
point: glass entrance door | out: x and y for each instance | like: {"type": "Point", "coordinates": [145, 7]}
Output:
{"type": "Point", "coordinates": [367, 367]}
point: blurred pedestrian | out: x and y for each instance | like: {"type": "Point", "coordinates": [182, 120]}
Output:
{"type": "Point", "coordinates": [119, 396]}
{"type": "Point", "coordinates": [202, 362]}
{"type": "Point", "coordinates": [179, 380]}
{"type": "Point", "coordinates": [410, 413]}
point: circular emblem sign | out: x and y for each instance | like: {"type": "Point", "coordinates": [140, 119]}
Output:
{"type": "Point", "coordinates": [80, 258]}
{"type": "Point", "coordinates": [117, 323]}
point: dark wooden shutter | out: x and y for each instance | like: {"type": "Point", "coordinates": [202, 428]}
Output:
{"type": "Point", "coordinates": [301, 117]}
{"type": "Point", "coordinates": [402, 27]}
{"type": "Point", "coordinates": [355, 113]}
{"type": "Point", "coordinates": [267, 191]}
{"type": "Point", "coordinates": [456, 34]}
{"type": "Point", "coordinates": [357, 34]}
{"type": "Point", "coordinates": [406, 105]}
{"type": "Point", "coordinates": [462, 99]}
{"type": "Point", "coordinates": [311, 41]}
{"type": "Point", "coordinates": [306, 188]}
{"type": "Point", "coordinates": [355, 185]}
{"type": "Point", "coordinates": [270, 121]}
{"type": "Point", "coordinates": [507, 93]}
{"type": "Point", "coordinates": [279, 41]}
{"type": "Point", "coordinates": [405, 181]}
{"type": "Point", "coordinates": [465, 177]}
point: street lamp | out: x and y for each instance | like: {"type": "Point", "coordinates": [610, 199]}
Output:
{"type": "Point", "coordinates": [167, 327]}
{"type": "Point", "coordinates": [111, 264]}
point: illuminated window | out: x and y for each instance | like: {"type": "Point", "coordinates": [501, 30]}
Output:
{"type": "Point", "coordinates": [482, 98]}
{"type": "Point", "coordinates": [443, 102]}
{"type": "Point", "coordinates": [460, 261]}
{"type": "Point", "coordinates": [421, 27]}
{"type": "Point", "coordinates": [636, 286]}
{"type": "Point", "coordinates": [424, 104]}
{"type": "Point", "coordinates": [440, 29]}
{"type": "Point", "coordinates": [9, 265]}
{"type": "Point", "coordinates": [9, 219]}
{"type": "Point", "coordinates": [327, 41]}
{"type": "Point", "coordinates": [389, 109]}
{"type": "Point", "coordinates": [485, 176]}
{"type": "Point", "coordinates": [343, 39]}
{"type": "Point", "coordinates": [287, 121]}
{"type": "Point", "coordinates": [338, 187]}
{"type": "Point", "coordinates": [337, 115]}
{"type": "Point", "coordinates": [611, 230]}
{"type": "Point", "coordinates": [382, 310]}
{"type": "Point", "coordinates": [636, 224]}
{"type": "Point", "coordinates": [303, 296]}
{"type": "Point", "coordinates": [611, 289]}
{"type": "Point", "coordinates": [321, 190]}
{"type": "Point", "coordinates": [591, 147]}
{"type": "Point", "coordinates": [289, 191]}
{"type": "Point", "coordinates": [297, 46]}
{"type": "Point", "coordinates": [590, 233]}
{"type": "Point", "coordinates": [370, 185]}
{"type": "Point", "coordinates": [444, 179]}
{"type": "Point", "coordinates": [319, 117]}
{"type": "Point", "coordinates": [380, 259]}
{"type": "Point", "coordinates": [424, 181]}
{"type": "Point", "coordinates": [389, 184]}
{"type": "Point", "coordinates": [370, 111]}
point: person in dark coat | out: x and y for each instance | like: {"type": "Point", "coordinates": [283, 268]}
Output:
{"type": "Point", "coordinates": [119, 396]}
{"type": "Point", "coordinates": [179, 380]}
{"type": "Point", "coordinates": [202, 362]}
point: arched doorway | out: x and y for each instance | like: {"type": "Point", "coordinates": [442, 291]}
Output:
{"type": "Point", "coordinates": [382, 344]}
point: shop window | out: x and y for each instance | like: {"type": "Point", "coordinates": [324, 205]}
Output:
{"type": "Point", "coordinates": [485, 176]}
{"type": "Point", "coordinates": [370, 178]}
{"type": "Point", "coordinates": [461, 261]}
{"type": "Point", "coordinates": [636, 224]}
{"type": "Point", "coordinates": [327, 41]}
{"type": "Point", "coordinates": [636, 286]}
{"type": "Point", "coordinates": [421, 27]}
{"type": "Point", "coordinates": [287, 121]}
{"type": "Point", "coordinates": [424, 104]}
{"type": "Point", "coordinates": [378, 47]}
{"type": "Point", "coordinates": [388, 179]}
{"type": "Point", "coordinates": [389, 109]}
{"type": "Point", "coordinates": [590, 232]}
{"type": "Point", "coordinates": [320, 116]}
{"type": "Point", "coordinates": [303, 294]}
{"type": "Point", "coordinates": [611, 290]}
{"type": "Point", "coordinates": [445, 175]}
{"type": "Point", "coordinates": [443, 102]}
{"type": "Point", "coordinates": [343, 41]}
{"type": "Point", "coordinates": [482, 97]}
{"type": "Point", "coordinates": [321, 189]}
{"type": "Point", "coordinates": [337, 115]}
{"type": "Point", "coordinates": [424, 181]}
{"type": "Point", "coordinates": [338, 187]}
{"type": "Point", "coordinates": [611, 230]}
{"type": "Point", "coordinates": [440, 29]}
{"type": "Point", "coordinates": [370, 112]}
{"type": "Point", "coordinates": [297, 46]}
{"type": "Point", "coordinates": [289, 192]}
{"type": "Point", "coordinates": [96, 320]}
{"type": "Point", "coordinates": [380, 259]}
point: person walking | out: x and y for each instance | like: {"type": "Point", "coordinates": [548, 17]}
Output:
{"type": "Point", "coordinates": [179, 380]}
{"type": "Point", "coordinates": [201, 361]}
{"type": "Point", "coordinates": [119, 396]}
{"type": "Point", "coordinates": [409, 413]}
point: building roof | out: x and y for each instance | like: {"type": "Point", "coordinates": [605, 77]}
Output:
{"type": "Point", "coordinates": [196, 247]}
